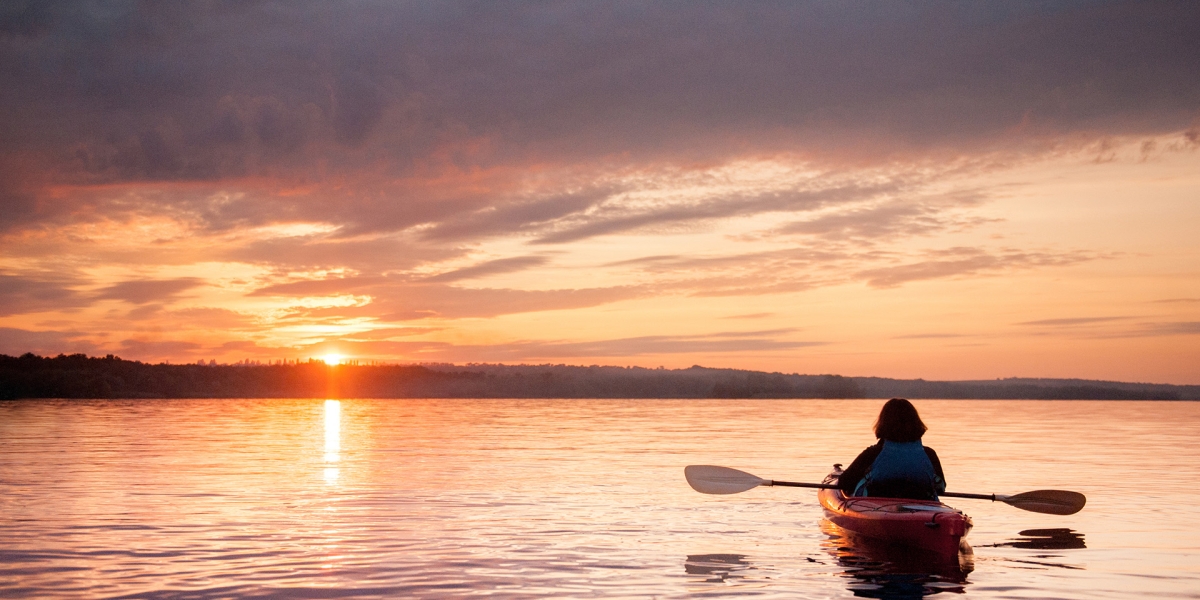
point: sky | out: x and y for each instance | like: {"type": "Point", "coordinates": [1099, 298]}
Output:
{"type": "Point", "coordinates": [942, 190]}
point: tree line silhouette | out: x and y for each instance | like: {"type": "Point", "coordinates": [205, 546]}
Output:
{"type": "Point", "coordinates": [81, 376]}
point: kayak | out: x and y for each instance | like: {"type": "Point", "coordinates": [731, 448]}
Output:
{"type": "Point", "coordinates": [921, 523]}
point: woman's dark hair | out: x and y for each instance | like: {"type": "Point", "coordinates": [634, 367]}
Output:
{"type": "Point", "coordinates": [899, 422]}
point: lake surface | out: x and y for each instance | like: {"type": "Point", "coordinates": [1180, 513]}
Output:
{"type": "Point", "coordinates": [572, 498]}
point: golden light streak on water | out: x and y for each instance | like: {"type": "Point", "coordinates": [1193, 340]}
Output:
{"type": "Point", "coordinates": [333, 439]}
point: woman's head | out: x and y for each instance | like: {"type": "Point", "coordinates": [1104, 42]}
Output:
{"type": "Point", "coordinates": [899, 422]}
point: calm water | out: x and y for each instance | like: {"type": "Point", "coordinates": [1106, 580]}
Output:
{"type": "Point", "coordinates": [569, 498]}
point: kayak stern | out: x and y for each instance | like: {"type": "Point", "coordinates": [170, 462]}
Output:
{"type": "Point", "coordinates": [921, 523]}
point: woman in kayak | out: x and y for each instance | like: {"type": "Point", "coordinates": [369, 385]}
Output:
{"type": "Point", "coordinates": [898, 466]}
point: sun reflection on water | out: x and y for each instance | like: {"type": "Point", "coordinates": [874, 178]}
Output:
{"type": "Point", "coordinates": [333, 439]}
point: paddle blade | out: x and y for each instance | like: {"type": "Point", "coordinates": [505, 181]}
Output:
{"type": "Point", "coordinates": [708, 479]}
{"type": "Point", "coordinates": [1051, 502]}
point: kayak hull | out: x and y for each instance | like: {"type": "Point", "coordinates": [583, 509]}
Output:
{"type": "Point", "coordinates": [916, 523]}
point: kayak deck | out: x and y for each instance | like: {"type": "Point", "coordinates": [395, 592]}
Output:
{"type": "Point", "coordinates": [921, 523]}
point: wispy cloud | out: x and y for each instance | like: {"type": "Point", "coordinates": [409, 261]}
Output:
{"type": "Point", "coordinates": [508, 218]}
{"type": "Point", "coordinates": [321, 287]}
{"type": "Point", "coordinates": [1177, 328]}
{"type": "Point", "coordinates": [962, 261]}
{"type": "Point", "coordinates": [14, 341]}
{"type": "Point", "coordinates": [619, 218]}
{"type": "Point", "coordinates": [930, 336]}
{"type": "Point", "coordinates": [149, 290]}
{"type": "Point", "coordinates": [1152, 329]}
{"type": "Point", "coordinates": [662, 344]}
{"type": "Point", "coordinates": [175, 348]}
{"type": "Point", "coordinates": [448, 302]}
{"type": "Point", "coordinates": [491, 267]}
{"type": "Point", "coordinates": [326, 251]}
{"type": "Point", "coordinates": [21, 294]}
{"type": "Point", "coordinates": [534, 350]}
{"type": "Point", "coordinates": [1072, 321]}
{"type": "Point", "coordinates": [891, 220]}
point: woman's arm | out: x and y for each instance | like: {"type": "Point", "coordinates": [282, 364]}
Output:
{"type": "Point", "coordinates": [937, 468]}
{"type": "Point", "coordinates": [858, 469]}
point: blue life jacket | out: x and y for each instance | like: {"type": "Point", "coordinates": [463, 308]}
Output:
{"type": "Point", "coordinates": [902, 470]}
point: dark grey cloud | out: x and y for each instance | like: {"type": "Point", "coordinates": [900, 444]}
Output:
{"type": "Point", "coordinates": [359, 102]}
{"type": "Point", "coordinates": [145, 291]}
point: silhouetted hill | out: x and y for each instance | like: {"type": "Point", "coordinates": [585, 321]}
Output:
{"type": "Point", "coordinates": [80, 376]}
{"type": "Point", "coordinates": [1025, 389]}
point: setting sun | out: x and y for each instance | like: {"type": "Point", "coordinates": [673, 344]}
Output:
{"type": "Point", "coordinates": [333, 359]}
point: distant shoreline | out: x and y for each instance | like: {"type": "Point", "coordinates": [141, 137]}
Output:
{"type": "Point", "coordinates": [78, 377]}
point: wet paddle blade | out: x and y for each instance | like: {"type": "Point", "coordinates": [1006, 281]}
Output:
{"type": "Point", "coordinates": [708, 479]}
{"type": "Point", "coordinates": [1051, 502]}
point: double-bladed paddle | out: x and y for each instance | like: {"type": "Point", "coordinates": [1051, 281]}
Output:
{"type": "Point", "coordinates": [708, 479]}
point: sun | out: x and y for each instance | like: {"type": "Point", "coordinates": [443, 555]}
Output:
{"type": "Point", "coordinates": [333, 359]}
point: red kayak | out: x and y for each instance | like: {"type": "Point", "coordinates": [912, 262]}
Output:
{"type": "Point", "coordinates": [920, 523]}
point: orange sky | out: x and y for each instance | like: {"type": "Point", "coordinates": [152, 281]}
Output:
{"type": "Point", "coordinates": [799, 189]}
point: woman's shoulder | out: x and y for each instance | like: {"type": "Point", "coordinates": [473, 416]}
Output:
{"type": "Point", "coordinates": [872, 450]}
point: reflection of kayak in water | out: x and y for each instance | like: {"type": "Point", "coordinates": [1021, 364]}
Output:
{"type": "Point", "coordinates": [1046, 539]}
{"type": "Point", "coordinates": [915, 523]}
{"type": "Point", "coordinates": [878, 569]}
{"type": "Point", "coordinates": [717, 568]}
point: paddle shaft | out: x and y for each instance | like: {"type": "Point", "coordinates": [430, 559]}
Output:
{"type": "Point", "coordinates": [992, 497]}
{"type": "Point", "coordinates": [819, 486]}
{"type": "Point", "coordinates": [827, 486]}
